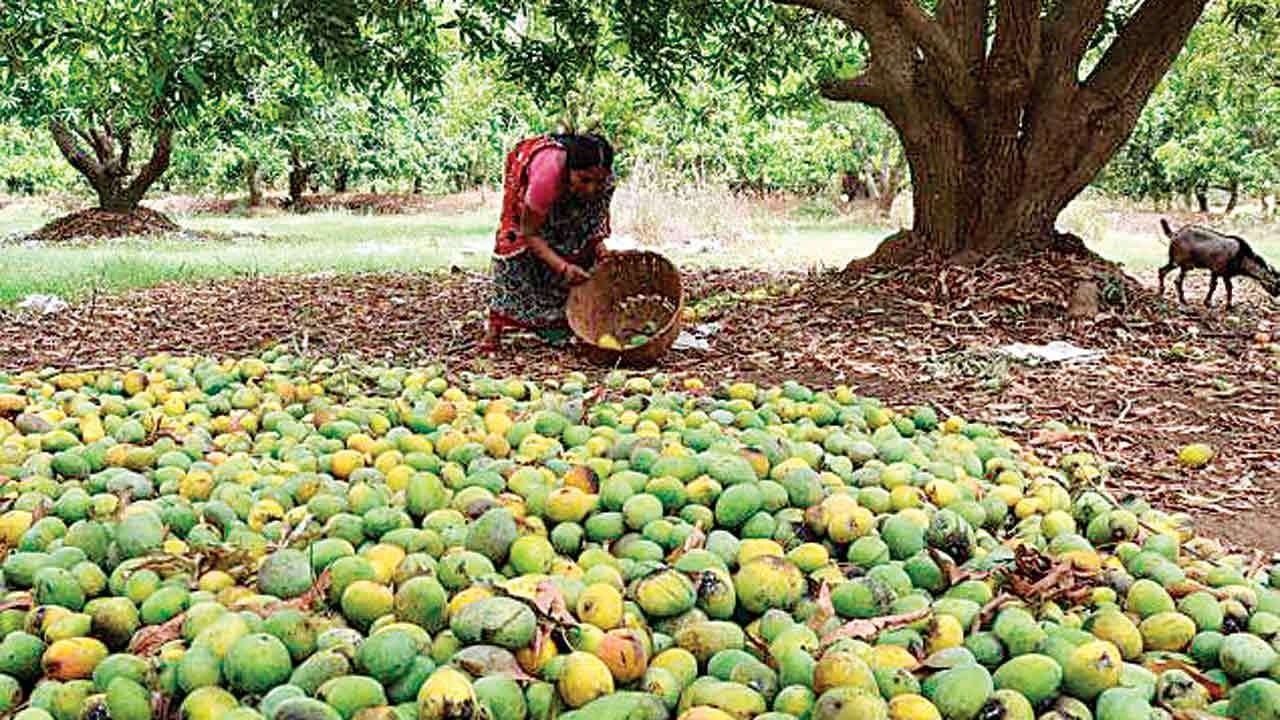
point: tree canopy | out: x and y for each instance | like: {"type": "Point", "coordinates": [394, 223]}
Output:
{"type": "Point", "coordinates": [106, 75]}
{"type": "Point", "coordinates": [1213, 121]}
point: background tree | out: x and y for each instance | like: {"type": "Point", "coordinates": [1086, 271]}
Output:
{"type": "Point", "coordinates": [114, 79]}
{"type": "Point", "coordinates": [1212, 124]}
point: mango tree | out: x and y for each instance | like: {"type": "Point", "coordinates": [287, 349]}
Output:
{"type": "Point", "coordinates": [1224, 95]}
{"type": "Point", "coordinates": [1212, 123]}
{"type": "Point", "coordinates": [113, 80]}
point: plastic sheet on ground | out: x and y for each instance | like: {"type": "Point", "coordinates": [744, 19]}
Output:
{"type": "Point", "coordinates": [697, 337]}
{"type": "Point", "coordinates": [1055, 351]}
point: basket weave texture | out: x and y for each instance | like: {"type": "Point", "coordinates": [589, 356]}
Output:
{"type": "Point", "coordinates": [627, 291]}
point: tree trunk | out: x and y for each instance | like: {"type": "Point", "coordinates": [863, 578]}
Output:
{"type": "Point", "coordinates": [417, 184]}
{"type": "Point", "coordinates": [253, 177]}
{"type": "Point", "coordinates": [1202, 200]}
{"type": "Point", "coordinates": [108, 169]}
{"type": "Point", "coordinates": [340, 179]}
{"type": "Point", "coordinates": [299, 174]}
{"type": "Point", "coordinates": [1233, 198]}
{"type": "Point", "coordinates": [999, 129]}
{"type": "Point", "coordinates": [890, 182]}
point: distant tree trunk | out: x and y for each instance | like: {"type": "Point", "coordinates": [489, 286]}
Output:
{"type": "Point", "coordinates": [253, 178]}
{"type": "Point", "coordinates": [340, 179]}
{"type": "Point", "coordinates": [1232, 198]}
{"type": "Point", "coordinates": [108, 169]}
{"type": "Point", "coordinates": [887, 182]}
{"type": "Point", "coordinates": [299, 175]}
{"type": "Point", "coordinates": [999, 127]}
{"type": "Point", "coordinates": [417, 184]}
{"type": "Point", "coordinates": [853, 186]}
{"type": "Point", "coordinates": [1202, 200]}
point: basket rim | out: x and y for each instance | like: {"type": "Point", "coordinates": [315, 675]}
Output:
{"type": "Point", "coordinates": [672, 321]}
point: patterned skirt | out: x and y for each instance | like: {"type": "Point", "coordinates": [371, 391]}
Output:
{"type": "Point", "coordinates": [527, 294]}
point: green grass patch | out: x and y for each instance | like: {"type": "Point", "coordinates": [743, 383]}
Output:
{"type": "Point", "coordinates": [318, 242]}
{"type": "Point", "coordinates": [20, 218]}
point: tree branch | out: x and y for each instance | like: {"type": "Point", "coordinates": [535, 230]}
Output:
{"type": "Point", "coordinates": [65, 139]}
{"type": "Point", "coordinates": [866, 88]}
{"type": "Point", "coordinates": [1145, 48]}
{"type": "Point", "coordinates": [965, 22]}
{"type": "Point", "coordinates": [156, 165]}
{"type": "Point", "coordinates": [1015, 55]}
{"type": "Point", "coordinates": [1113, 96]}
{"type": "Point", "coordinates": [951, 74]}
{"type": "Point", "coordinates": [1067, 33]}
{"type": "Point", "coordinates": [102, 146]}
{"type": "Point", "coordinates": [126, 149]}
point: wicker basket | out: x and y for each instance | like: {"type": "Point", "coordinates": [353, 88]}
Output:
{"type": "Point", "coordinates": [626, 291]}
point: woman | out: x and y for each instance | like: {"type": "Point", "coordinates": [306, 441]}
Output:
{"type": "Point", "coordinates": [555, 217]}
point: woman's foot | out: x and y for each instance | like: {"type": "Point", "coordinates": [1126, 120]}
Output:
{"type": "Point", "coordinates": [490, 344]}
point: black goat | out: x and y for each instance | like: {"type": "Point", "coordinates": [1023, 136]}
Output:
{"type": "Point", "coordinates": [1224, 256]}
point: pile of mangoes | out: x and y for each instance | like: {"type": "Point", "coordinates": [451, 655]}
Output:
{"type": "Point", "coordinates": [281, 538]}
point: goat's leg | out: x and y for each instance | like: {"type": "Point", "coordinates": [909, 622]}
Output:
{"type": "Point", "coordinates": [1182, 275]}
{"type": "Point", "coordinates": [1227, 282]}
{"type": "Point", "coordinates": [1165, 271]}
{"type": "Point", "coordinates": [1213, 287]}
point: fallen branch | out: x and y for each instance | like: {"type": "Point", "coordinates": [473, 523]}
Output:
{"type": "Point", "coordinates": [1216, 691]}
{"type": "Point", "coordinates": [869, 628]}
{"type": "Point", "coordinates": [150, 639]}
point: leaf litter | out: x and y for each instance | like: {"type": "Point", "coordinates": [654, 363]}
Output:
{"type": "Point", "coordinates": [1170, 375]}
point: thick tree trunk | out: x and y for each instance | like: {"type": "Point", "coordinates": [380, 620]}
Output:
{"type": "Point", "coordinates": [299, 175]}
{"type": "Point", "coordinates": [1233, 198]}
{"type": "Point", "coordinates": [340, 179]}
{"type": "Point", "coordinates": [109, 169]}
{"type": "Point", "coordinates": [253, 178]}
{"type": "Point", "coordinates": [998, 127]}
{"type": "Point", "coordinates": [417, 184]}
{"type": "Point", "coordinates": [1202, 200]}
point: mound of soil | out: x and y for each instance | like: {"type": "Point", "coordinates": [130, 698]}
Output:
{"type": "Point", "coordinates": [99, 224]}
{"type": "Point", "coordinates": [373, 204]}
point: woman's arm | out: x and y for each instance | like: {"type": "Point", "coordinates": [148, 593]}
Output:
{"type": "Point", "coordinates": [531, 227]}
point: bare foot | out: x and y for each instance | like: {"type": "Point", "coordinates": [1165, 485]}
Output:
{"type": "Point", "coordinates": [490, 345]}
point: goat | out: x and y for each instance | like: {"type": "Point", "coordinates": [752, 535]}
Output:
{"type": "Point", "coordinates": [1224, 256]}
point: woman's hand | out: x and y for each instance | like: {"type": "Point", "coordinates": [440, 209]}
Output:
{"type": "Point", "coordinates": [574, 274]}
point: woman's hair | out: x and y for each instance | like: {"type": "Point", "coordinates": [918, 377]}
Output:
{"type": "Point", "coordinates": [586, 151]}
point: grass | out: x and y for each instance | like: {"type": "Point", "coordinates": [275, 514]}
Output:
{"type": "Point", "coordinates": [317, 242]}
{"type": "Point", "coordinates": [341, 242]}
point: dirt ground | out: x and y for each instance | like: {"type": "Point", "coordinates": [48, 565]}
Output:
{"type": "Point", "coordinates": [1170, 375]}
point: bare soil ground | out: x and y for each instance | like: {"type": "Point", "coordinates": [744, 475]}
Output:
{"type": "Point", "coordinates": [1170, 375]}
